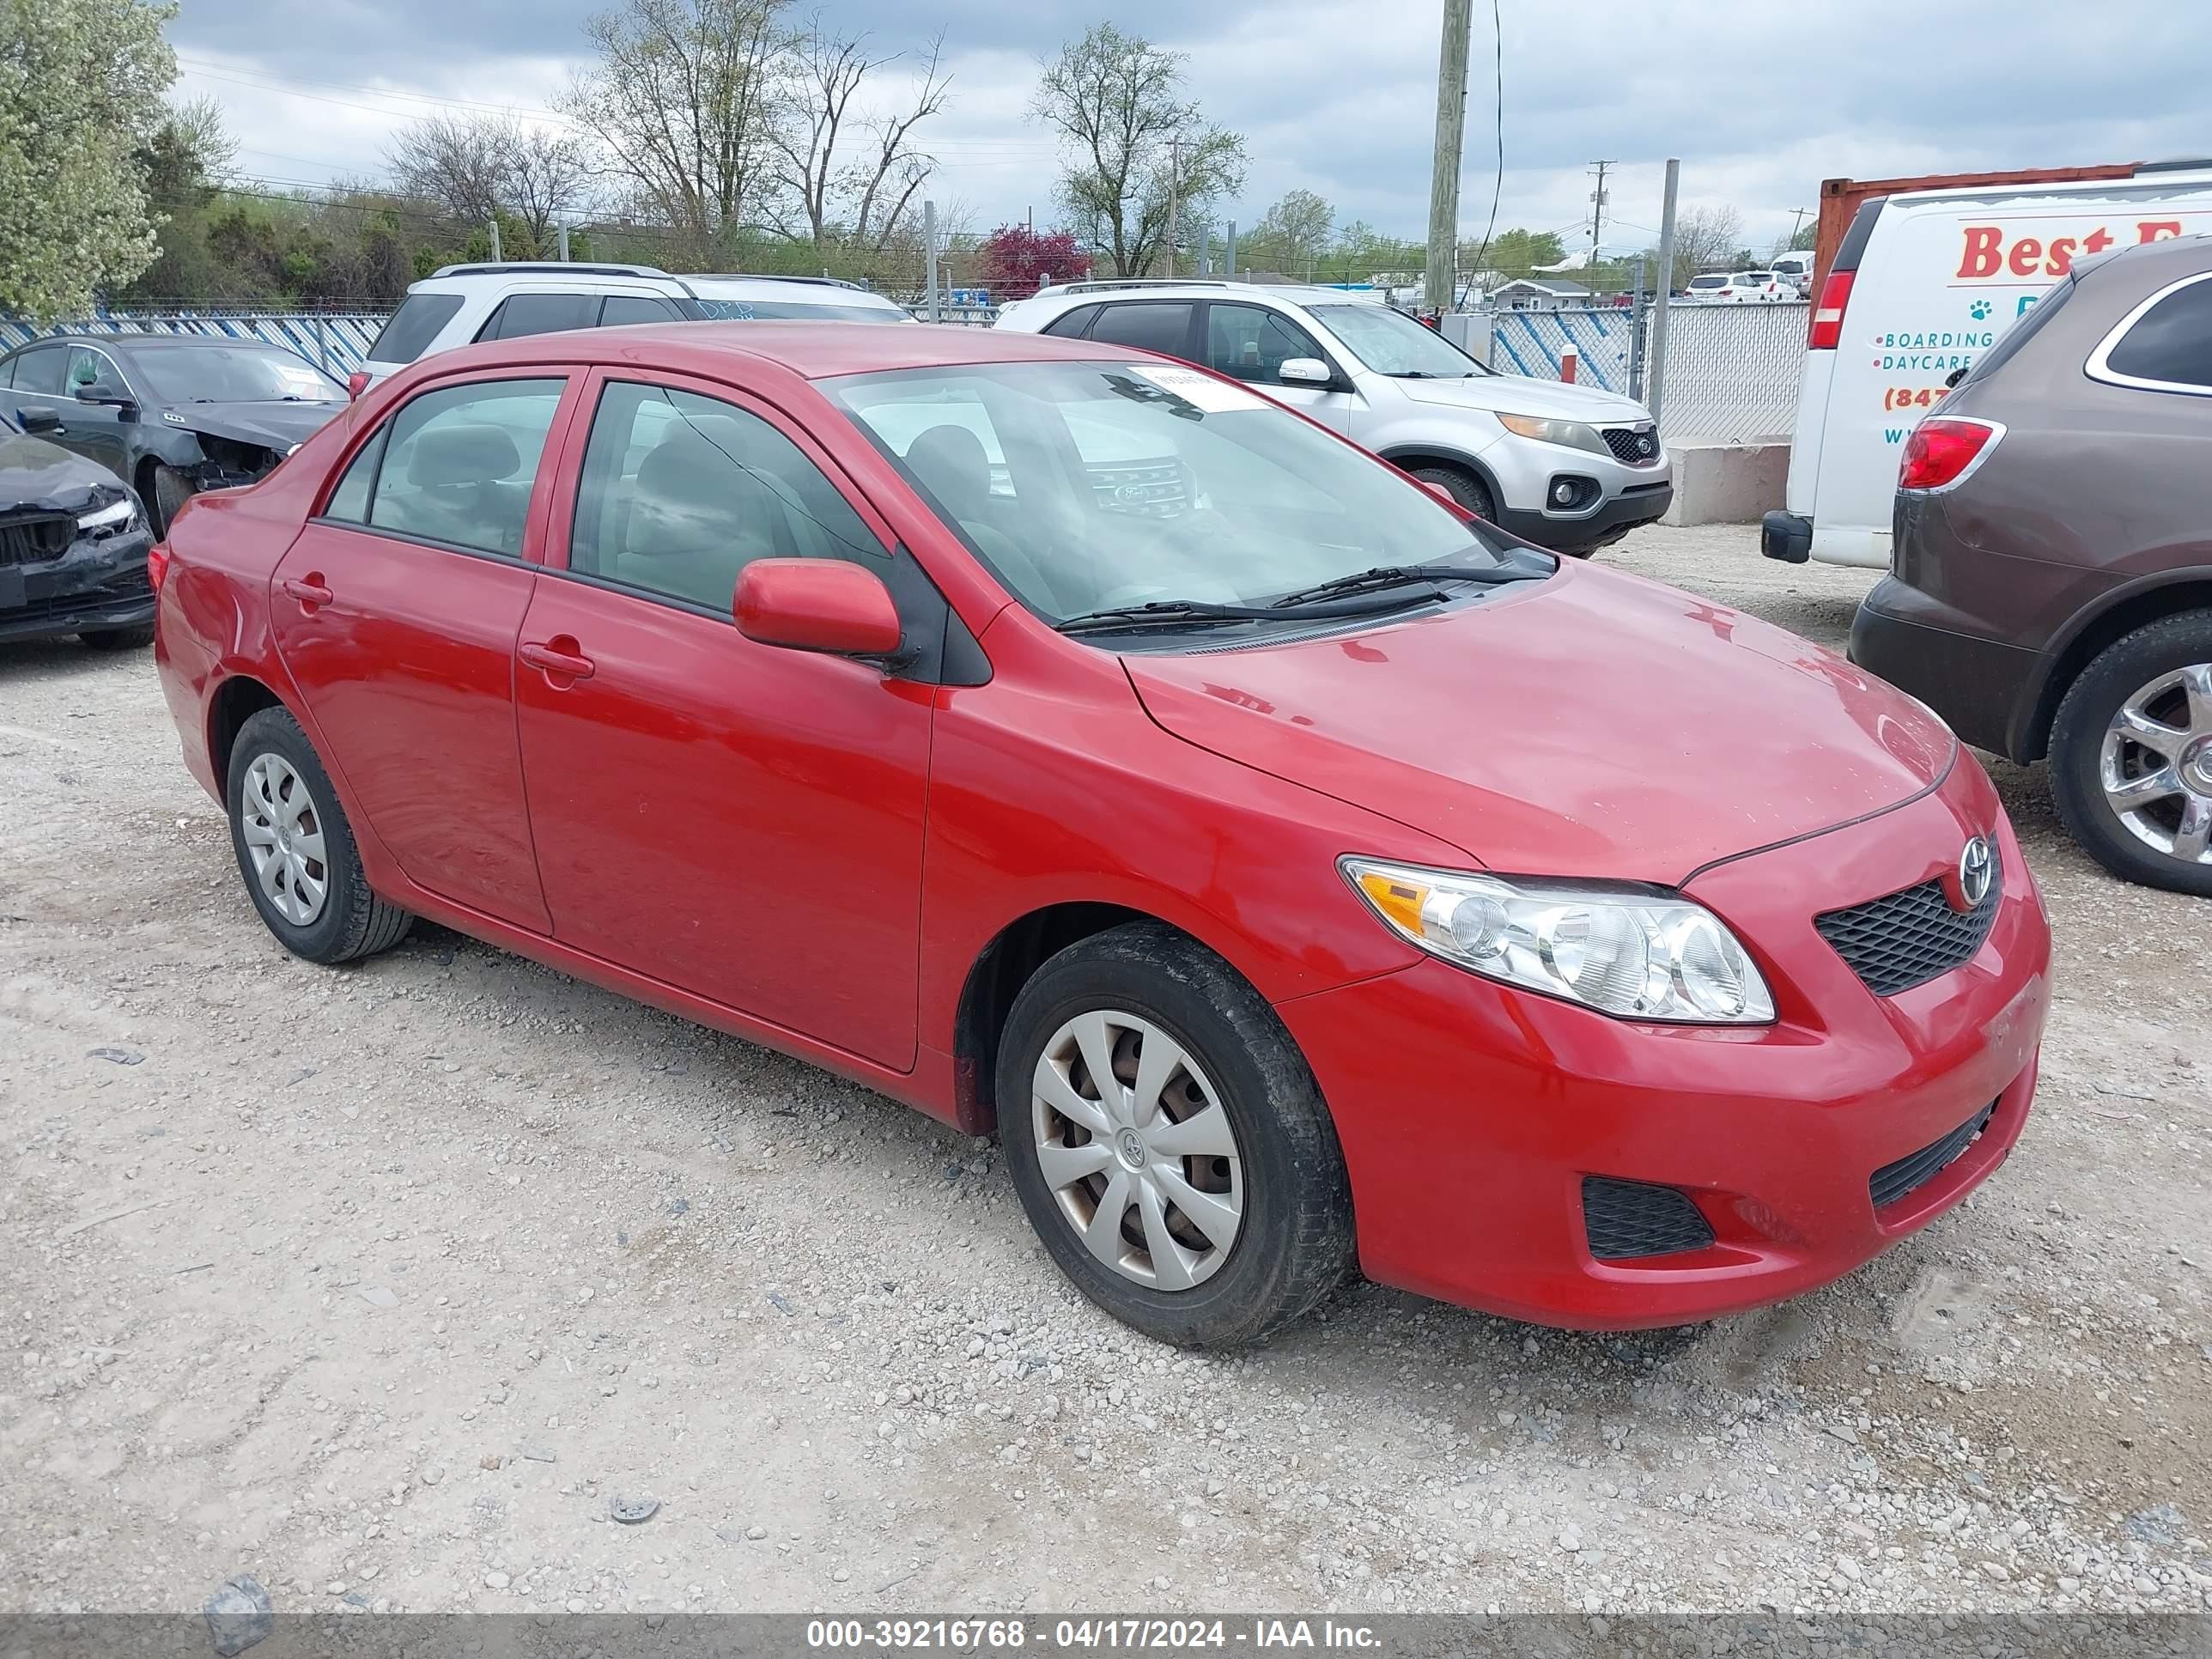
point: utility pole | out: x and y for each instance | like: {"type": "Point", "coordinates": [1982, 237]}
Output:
{"type": "Point", "coordinates": [564, 244]}
{"type": "Point", "coordinates": [1597, 211]}
{"type": "Point", "coordinates": [1229, 252]}
{"type": "Point", "coordinates": [1175, 195]}
{"type": "Point", "coordinates": [1798, 224]}
{"type": "Point", "coordinates": [1655, 371]}
{"type": "Point", "coordinates": [929, 241]}
{"type": "Point", "coordinates": [494, 241]}
{"type": "Point", "coordinates": [1443, 176]}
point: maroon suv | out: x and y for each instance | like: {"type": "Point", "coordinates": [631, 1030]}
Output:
{"type": "Point", "coordinates": [2051, 593]}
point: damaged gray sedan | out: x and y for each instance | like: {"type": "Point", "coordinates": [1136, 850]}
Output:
{"type": "Point", "coordinates": [170, 415]}
{"type": "Point", "coordinates": [73, 546]}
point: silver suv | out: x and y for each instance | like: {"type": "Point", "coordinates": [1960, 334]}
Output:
{"type": "Point", "coordinates": [458, 304]}
{"type": "Point", "coordinates": [1567, 466]}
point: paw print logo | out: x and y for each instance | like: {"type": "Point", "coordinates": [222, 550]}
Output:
{"type": "Point", "coordinates": [1979, 309]}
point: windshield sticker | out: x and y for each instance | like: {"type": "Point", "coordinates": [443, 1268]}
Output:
{"type": "Point", "coordinates": [1201, 390]}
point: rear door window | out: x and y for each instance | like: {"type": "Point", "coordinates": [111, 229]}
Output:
{"type": "Point", "coordinates": [461, 462]}
{"type": "Point", "coordinates": [2170, 344]}
{"type": "Point", "coordinates": [522, 314]}
{"type": "Point", "coordinates": [1151, 325]}
{"type": "Point", "coordinates": [623, 308]}
{"type": "Point", "coordinates": [413, 326]}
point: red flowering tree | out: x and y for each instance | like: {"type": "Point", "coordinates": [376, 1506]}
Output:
{"type": "Point", "coordinates": [1014, 260]}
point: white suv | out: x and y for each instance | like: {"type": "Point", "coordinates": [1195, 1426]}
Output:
{"type": "Point", "coordinates": [1569, 466]}
{"type": "Point", "coordinates": [1736, 287]}
{"type": "Point", "coordinates": [458, 304]}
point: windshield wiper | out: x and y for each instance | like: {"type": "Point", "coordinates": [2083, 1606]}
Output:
{"type": "Point", "coordinates": [1402, 575]}
{"type": "Point", "coordinates": [1183, 613]}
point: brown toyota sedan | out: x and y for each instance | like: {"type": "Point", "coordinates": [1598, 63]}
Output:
{"type": "Point", "coordinates": [2050, 593]}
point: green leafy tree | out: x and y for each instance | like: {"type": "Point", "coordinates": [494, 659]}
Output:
{"type": "Point", "coordinates": [1513, 253]}
{"type": "Point", "coordinates": [1135, 144]}
{"type": "Point", "coordinates": [1294, 235]}
{"type": "Point", "coordinates": [80, 89]}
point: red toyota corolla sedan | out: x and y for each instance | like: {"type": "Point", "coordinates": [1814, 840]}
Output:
{"type": "Point", "coordinates": [1291, 869]}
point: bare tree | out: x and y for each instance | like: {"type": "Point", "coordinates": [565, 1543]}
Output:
{"type": "Point", "coordinates": [1137, 146]}
{"type": "Point", "coordinates": [1704, 237]}
{"type": "Point", "coordinates": [550, 178]}
{"type": "Point", "coordinates": [459, 163]}
{"type": "Point", "coordinates": [681, 99]}
{"type": "Point", "coordinates": [834, 188]}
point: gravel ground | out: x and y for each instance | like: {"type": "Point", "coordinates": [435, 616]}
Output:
{"type": "Point", "coordinates": [389, 1285]}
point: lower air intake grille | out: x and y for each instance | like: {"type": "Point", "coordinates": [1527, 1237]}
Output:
{"type": "Point", "coordinates": [1626, 1218]}
{"type": "Point", "coordinates": [1908, 1175]}
{"type": "Point", "coordinates": [1909, 938]}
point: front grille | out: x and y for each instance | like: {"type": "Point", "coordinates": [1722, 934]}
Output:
{"type": "Point", "coordinates": [1910, 938]}
{"type": "Point", "coordinates": [1908, 1175]}
{"type": "Point", "coordinates": [1626, 1218]}
{"type": "Point", "coordinates": [1633, 446]}
{"type": "Point", "coordinates": [36, 537]}
{"type": "Point", "coordinates": [1152, 491]}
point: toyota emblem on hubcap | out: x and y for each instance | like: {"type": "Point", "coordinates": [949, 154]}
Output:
{"type": "Point", "coordinates": [1131, 1147]}
{"type": "Point", "coordinates": [1976, 866]}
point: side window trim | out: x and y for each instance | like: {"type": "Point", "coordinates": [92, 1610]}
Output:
{"type": "Point", "coordinates": [2099, 368]}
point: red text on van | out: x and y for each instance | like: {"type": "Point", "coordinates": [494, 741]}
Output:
{"type": "Point", "coordinates": [1989, 254]}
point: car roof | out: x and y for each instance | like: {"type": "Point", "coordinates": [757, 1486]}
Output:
{"type": "Point", "coordinates": [1201, 288]}
{"type": "Point", "coordinates": [131, 339]}
{"type": "Point", "coordinates": [812, 350]}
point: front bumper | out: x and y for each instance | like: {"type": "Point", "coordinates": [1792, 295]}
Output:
{"type": "Point", "coordinates": [95, 586]}
{"type": "Point", "coordinates": [1470, 1114]}
{"type": "Point", "coordinates": [1639, 504]}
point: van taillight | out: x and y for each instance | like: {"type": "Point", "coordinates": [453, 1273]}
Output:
{"type": "Point", "coordinates": [157, 565]}
{"type": "Point", "coordinates": [1828, 315]}
{"type": "Point", "coordinates": [1944, 449]}
{"type": "Point", "coordinates": [356, 383]}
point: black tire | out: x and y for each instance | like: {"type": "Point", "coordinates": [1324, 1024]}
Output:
{"type": "Point", "coordinates": [2077, 738]}
{"type": "Point", "coordinates": [1294, 1243]}
{"type": "Point", "coordinates": [1469, 491]}
{"type": "Point", "coordinates": [172, 489]}
{"type": "Point", "coordinates": [353, 921]}
{"type": "Point", "coordinates": [117, 638]}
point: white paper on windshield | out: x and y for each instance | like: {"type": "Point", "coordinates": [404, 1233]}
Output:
{"type": "Point", "coordinates": [1203, 391]}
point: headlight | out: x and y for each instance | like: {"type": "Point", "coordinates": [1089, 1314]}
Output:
{"type": "Point", "coordinates": [1573, 434]}
{"type": "Point", "coordinates": [1629, 953]}
{"type": "Point", "coordinates": [114, 514]}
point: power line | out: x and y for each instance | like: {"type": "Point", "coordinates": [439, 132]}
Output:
{"type": "Point", "coordinates": [1498, 184]}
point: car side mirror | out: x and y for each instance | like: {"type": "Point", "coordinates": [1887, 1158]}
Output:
{"type": "Point", "coordinates": [106, 391]}
{"type": "Point", "coordinates": [816, 604]}
{"type": "Point", "coordinates": [1305, 371]}
{"type": "Point", "coordinates": [35, 420]}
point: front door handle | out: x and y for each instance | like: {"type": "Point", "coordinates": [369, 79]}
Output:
{"type": "Point", "coordinates": [310, 591]}
{"type": "Point", "coordinates": [558, 656]}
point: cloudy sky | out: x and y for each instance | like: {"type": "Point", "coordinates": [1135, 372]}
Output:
{"type": "Point", "coordinates": [1760, 98]}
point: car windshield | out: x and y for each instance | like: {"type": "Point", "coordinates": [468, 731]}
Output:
{"type": "Point", "coordinates": [232, 374]}
{"type": "Point", "coordinates": [1391, 343]}
{"type": "Point", "coordinates": [766, 311]}
{"type": "Point", "coordinates": [1086, 486]}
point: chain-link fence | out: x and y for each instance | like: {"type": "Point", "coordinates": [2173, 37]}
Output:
{"type": "Point", "coordinates": [335, 341]}
{"type": "Point", "coordinates": [1732, 370]}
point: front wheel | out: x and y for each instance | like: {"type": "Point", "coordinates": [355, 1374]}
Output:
{"type": "Point", "coordinates": [2131, 755]}
{"type": "Point", "coordinates": [1469, 491]}
{"type": "Point", "coordinates": [172, 489]}
{"type": "Point", "coordinates": [1169, 1143]}
{"type": "Point", "coordinates": [296, 850]}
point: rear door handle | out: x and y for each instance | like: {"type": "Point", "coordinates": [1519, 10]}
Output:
{"type": "Point", "coordinates": [310, 591]}
{"type": "Point", "coordinates": [558, 656]}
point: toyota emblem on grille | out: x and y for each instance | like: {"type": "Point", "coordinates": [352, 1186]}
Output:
{"type": "Point", "coordinates": [1976, 866]}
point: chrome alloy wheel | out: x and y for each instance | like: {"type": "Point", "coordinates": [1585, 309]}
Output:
{"type": "Point", "coordinates": [284, 832]}
{"type": "Point", "coordinates": [2156, 764]}
{"type": "Point", "coordinates": [1137, 1149]}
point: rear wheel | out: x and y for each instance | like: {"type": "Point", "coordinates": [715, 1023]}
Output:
{"type": "Point", "coordinates": [1169, 1143]}
{"type": "Point", "coordinates": [296, 850]}
{"type": "Point", "coordinates": [2131, 755]}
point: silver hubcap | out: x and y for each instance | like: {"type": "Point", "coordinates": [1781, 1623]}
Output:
{"type": "Point", "coordinates": [284, 839]}
{"type": "Point", "coordinates": [1137, 1149]}
{"type": "Point", "coordinates": [2156, 766]}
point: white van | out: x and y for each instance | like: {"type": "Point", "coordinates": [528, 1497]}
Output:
{"type": "Point", "coordinates": [1925, 282]}
{"type": "Point", "coordinates": [1794, 268]}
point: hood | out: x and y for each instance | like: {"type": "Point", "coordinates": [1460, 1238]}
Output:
{"type": "Point", "coordinates": [1517, 394]}
{"type": "Point", "coordinates": [48, 478]}
{"type": "Point", "coordinates": [1592, 725]}
{"type": "Point", "coordinates": [274, 425]}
